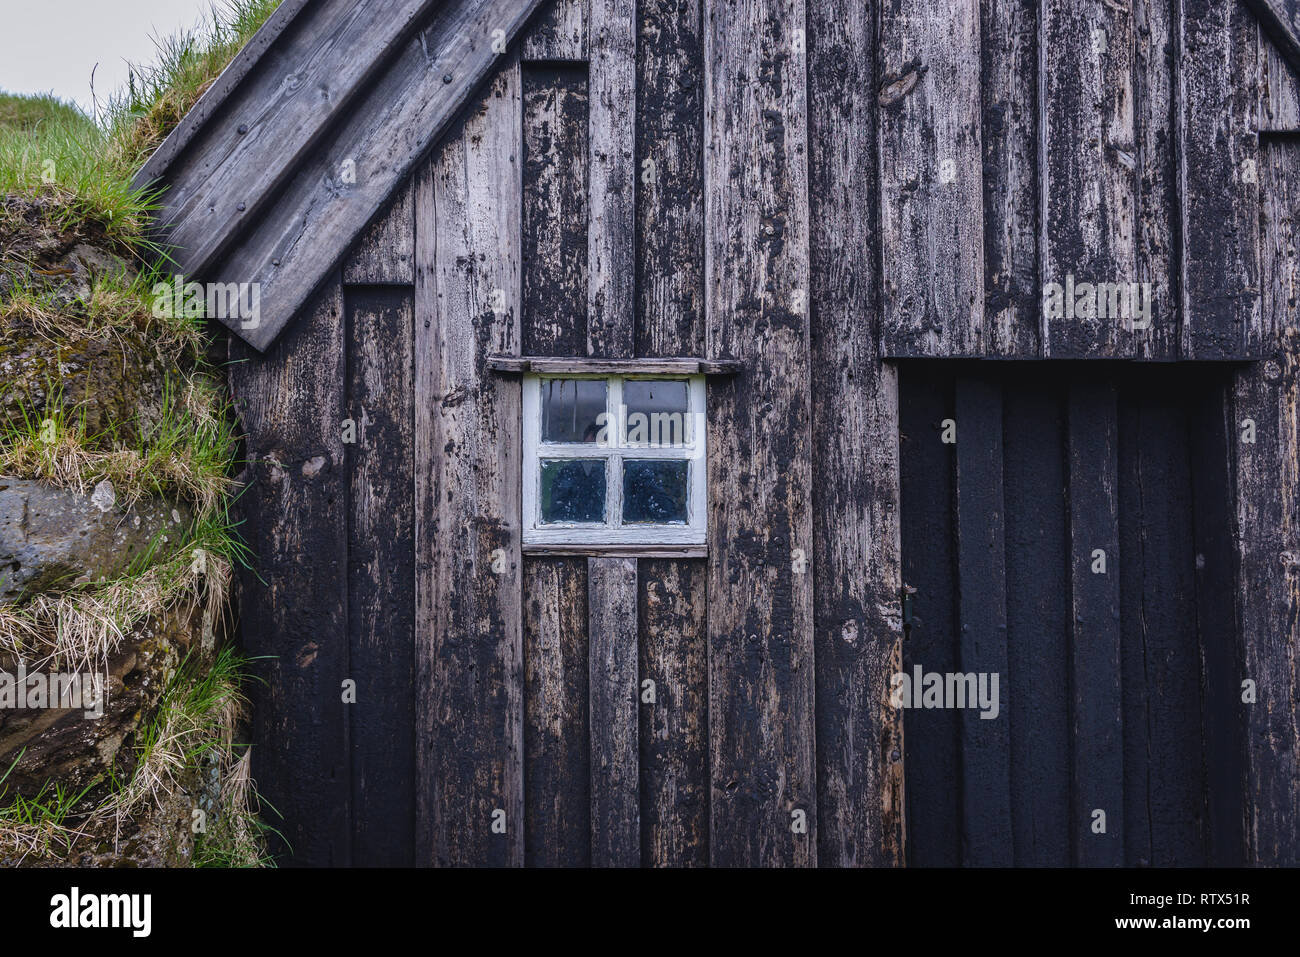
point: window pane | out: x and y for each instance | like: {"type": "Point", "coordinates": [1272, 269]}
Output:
{"type": "Point", "coordinates": [569, 409]}
{"type": "Point", "coordinates": [656, 412]}
{"type": "Point", "coordinates": [654, 492]}
{"type": "Point", "coordinates": [573, 490]}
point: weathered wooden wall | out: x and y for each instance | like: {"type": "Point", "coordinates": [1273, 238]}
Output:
{"type": "Point", "coordinates": [810, 188]}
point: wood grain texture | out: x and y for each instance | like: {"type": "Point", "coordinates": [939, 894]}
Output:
{"type": "Point", "coordinates": [761, 675]}
{"type": "Point", "coordinates": [982, 607]}
{"type": "Point", "coordinates": [1155, 41]}
{"type": "Point", "coordinates": [611, 179]}
{"type": "Point", "coordinates": [318, 213]}
{"type": "Point", "coordinates": [613, 696]}
{"type": "Point", "coordinates": [669, 257]}
{"type": "Point", "coordinates": [1218, 180]}
{"type": "Point", "coordinates": [1097, 772]}
{"type": "Point", "coordinates": [381, 575]}
{"type": "Point", "coordinates": [468, 588]}
{"type": "Point", "coordinates": [1267, 532]}
{"type": "Point", "coordinates": [855, 561]}
{"type": "Point", "coordinates": [1009, 57]}
{"type": "Point", "coordinates": [294, 602]}
{"type": "Point", "coordinates": [931, 178]}
{"type": "Point", "coordinates": [558, 32]}
{"type": "Point", "coordinates": [1279, 92]}
{"type": "Point", "coordinates": [1280, 20]}
{"type": "Point", "coordinates": [555, 211]}
{"type": "Point", "coordinates": [557, 738]}
{"type": "Point", "coordinates": [385, 253]}
{"type": "Point", "coordinates": [231, 168]}
{"type": "Point", "coordinates": [1087, 167]}
{"type": "Point", "coordinates": [675, 728]}
{"type": "Point", "coordinates": [244, 63]}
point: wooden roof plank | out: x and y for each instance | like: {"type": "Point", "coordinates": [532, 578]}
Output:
{"type": "Point", "coordinates": [231, 169]}
{"type": "Point", "coordinates": [317, 215]}
{"type": "Point", "coordinates": [1281, 21]}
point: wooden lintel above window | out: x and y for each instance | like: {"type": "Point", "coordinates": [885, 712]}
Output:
{"type": "Point", "coordinates": [549, 365]}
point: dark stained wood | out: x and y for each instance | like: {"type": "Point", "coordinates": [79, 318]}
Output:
{"type": "Point", "coordinates": [1281, 22]}
{"type": "Point", "coordinates": [761, 675]}
{"type": "Point", "coordinates": [386, 251]}
{"type": "Point", "coordinates": [855, 562]}
{"type": "Point", "coordinates": [232, 167]}
{"type": "Point", "coordinates": [294, 600]}
{"type": "Point", "coordinates": [557, 741]}
{"type": "Point", "coordinates": [1279, 97]}
{"type": "Point", "coordinates": [1155, 39]}
{"type": "Point", "coordinates": [928, 491]}
{"type": "Point", "coordinates": [1038, 617]}
{"type": "Point", "coordinates": [931, 179]}
{"type": "Point", "coordinates": [555, 211]}
{"type": "Point", "coordinates": [1009, 55]}
{"type": "Point", "coordinates": [669, 260]}
{"type": "Point", "coordinates": [469, 618]}
{"type": "Point", "coordinates": [613, 695]}
{"type": "Point", "coordinates": [317, 215]}
{"type": "Point", "coordinates": [1097, 771]}
{"type": "Point", "coordinates": [1223, 715]}
{"type": "Point", "coordinates": [584, 366]}
{"type": "Point", "coordinates": [675, 727]}
{"type": "Point", "coordinates": [982, 607]}
{"type": "Point", "coordinates": [381, 574]}
{"type": "Point", "coordinates": [558, 32]}
{"type": "Point", "coordinates": [1088, 162]}
{"type": "Point", "coordinates": [554, 310]}
{"type": "Point", "coordinates": [1267, 531]}
{"type": "Point", "coordinates": [1219, 180]}
{"type": "Point", "coordinates": [611, 178]}
{"type": "Point", "coordinates": [1163, 755]}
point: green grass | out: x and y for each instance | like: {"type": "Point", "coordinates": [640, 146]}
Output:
{"type": "Point", "coordinates": [51, 149]}
{"type": "Point", "coordinates": [77, 174]}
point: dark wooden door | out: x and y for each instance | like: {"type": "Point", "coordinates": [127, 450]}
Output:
{"type": "Point", "coordinates": [1067, 527]}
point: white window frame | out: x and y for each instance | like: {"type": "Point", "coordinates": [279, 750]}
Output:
{"type": "Point", "coordinates": [612, 531]}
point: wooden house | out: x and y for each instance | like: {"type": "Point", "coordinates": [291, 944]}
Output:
{"type": "Point", "coordinates": [985, 312]}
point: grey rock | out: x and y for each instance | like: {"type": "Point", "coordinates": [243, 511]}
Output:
{"type": "Point", "coordinates": [51, 537]}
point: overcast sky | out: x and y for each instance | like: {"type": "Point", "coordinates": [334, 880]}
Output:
{"type": "Point", "coordinates": [52, 45]}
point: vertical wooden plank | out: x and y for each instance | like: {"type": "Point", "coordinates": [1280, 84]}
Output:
{"type": "Point", "coordinates": [1218, 179]}
{"type": "Point", "coordinates": [469, 638]}
{"type": "Point", "coordinates": [1162, 693]}
{"type": "Point", "coordinates": [933, 736]}
{"type": "Point", "coordinates": [1087, 164]}
{"type": "Point", "coordinates": [1096, 720]}
{"type": "Point", "coordinates": [1223, 726]}
{"type": "Point", "coordinates": [385, 253]}
{"type": "Point", "coordinates": [856, 565]}
{"type": "Point", "coordinates": [555, 323]}
{"type": "Point", "coordinates": [1279, 96]}
{"type": "Point", "coordinates": [982, 609]}
{"type": "Point", "coordinates": [931, 178]}
{"type": "Point", "coordinates": [1038, 617]}
{"type": "Point", "coordinates": [669, 270]}
{"type": "Point", "coordinates": [613, 704]}
{"type": "Point", "coordinates": [555, 211]}
{"type": "Point", "coordinates": [1156, 177]}
{"type": "Point", "coordinates": [1266, 474]}
{"type": "Point", "coordinates": [295, 610]}
{"type": "Point", "coordinates": [558, 32]}
{"type": "Point", "coordinates": [674, 729]}
{"type": "Point", "coordinates": [1009, 54]}
{"type": "Point", "coordinates": [381, 575]}
{"type": "Point", "coordinates": [670, 191]}
{"type": "Point", "coordinates": [611, 179]}
{"type": "Point", "coordinates": [557, 741]}
{"type": "Point", "coordinates": [763, 804]}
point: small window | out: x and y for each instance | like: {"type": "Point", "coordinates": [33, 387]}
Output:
{"type": "Point", "coordinates": [614, 460]}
